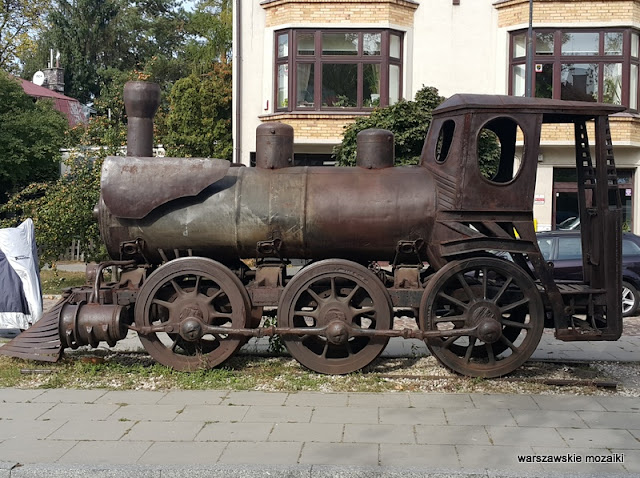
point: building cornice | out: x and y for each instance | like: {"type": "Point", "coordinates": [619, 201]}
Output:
{"type": "Point", "coordinates": [404, 3]}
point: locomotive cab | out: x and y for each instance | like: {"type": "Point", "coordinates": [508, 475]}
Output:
{"type": "Point", "coordinates": [482, 151]}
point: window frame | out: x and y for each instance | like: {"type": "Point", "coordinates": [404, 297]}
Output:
{"type": "Point", "coordinates": [557, 59]}
{"type": "Point", "coordinates": [318, 59]}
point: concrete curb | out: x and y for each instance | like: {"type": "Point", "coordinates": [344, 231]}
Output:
{"type": "Point", "coordinates": [9, 470]}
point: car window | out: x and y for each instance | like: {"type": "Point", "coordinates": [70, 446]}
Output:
{"type": "Point", "coordinates": [569, 248]}
{"type": "Point", "coordinates": [545, 247]}
{"type": "Point", "coordinates": [630, 248]}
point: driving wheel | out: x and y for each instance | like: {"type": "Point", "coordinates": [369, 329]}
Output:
{"type": "Point", "coordinates": [497, 302]}
{"type": "Point", "coordinates": [182, 296]}
{"type": "Point", "coordinates": [342, 296]}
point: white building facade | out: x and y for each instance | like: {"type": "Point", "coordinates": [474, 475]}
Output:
{"type": "Point", "coordinates": [319, 64]}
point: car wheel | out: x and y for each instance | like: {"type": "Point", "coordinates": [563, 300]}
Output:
{"type": "Point", "coordinates": [630, 299]}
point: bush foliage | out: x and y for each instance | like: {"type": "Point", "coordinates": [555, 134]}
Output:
{"type": "Point", "coordinates": [408, 120]}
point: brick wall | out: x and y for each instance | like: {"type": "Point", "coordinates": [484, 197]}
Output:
{"type": "Point", "coordinates": [624, 130]}
{"type": "Point", "coordinates": [516, 12]}
{"type": "Point", "coordinates": [395, 12]}
{"type": "Point", "coordinates": [315, 126]}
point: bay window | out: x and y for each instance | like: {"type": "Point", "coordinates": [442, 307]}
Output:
{"type": "Point", "coordinates": [325, 70]}
{"type": "Point", "coordinates": [578, 64]}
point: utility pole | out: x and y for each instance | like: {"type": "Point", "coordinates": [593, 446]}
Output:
{"type": "Point", "coordinates": [529, 67]}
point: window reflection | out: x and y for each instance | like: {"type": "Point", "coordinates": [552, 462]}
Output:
{"type": "Point", "coordinates": [339, 43]}
{"type": "Point", "coordinates": [580, 43]}
{"type": "Point", "coordinates": [579, 82]}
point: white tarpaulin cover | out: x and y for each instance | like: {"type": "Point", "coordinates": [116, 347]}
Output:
{"type": "Point", "coordinates": [20, 293]}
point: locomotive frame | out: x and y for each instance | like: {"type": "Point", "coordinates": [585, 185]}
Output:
{"type": "Point", "coordinates": [460, 246]}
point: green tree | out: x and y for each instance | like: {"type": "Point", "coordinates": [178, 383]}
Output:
{"type": "Point", "coordinates": [199, 121]}
{"type": "Point", "coordinates": [95, 37]}
{"type": "Point", "coordinates": [408, 120]}
{"type": "Point", "coordinates": [62, 210]}
{"type": "Point", "coordinates": [31, 136]}
{"type": "Point", "coordinates": [210, 26]}
{"type": "Point", "coordinates": [18, 20]}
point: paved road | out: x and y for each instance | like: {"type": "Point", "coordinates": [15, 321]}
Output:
{"type": "Point", "coordinates": [471, 433]}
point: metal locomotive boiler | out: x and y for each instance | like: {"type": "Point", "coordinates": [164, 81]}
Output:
{"type": "Point", "coordinates": [459, 243]}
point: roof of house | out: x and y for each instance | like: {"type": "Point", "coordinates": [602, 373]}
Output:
{"type": "Point", "coordinates": [70, 107]}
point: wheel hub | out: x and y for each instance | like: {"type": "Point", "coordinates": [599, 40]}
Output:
{"type": "Point", "coordinates": [484, 315]}
{"type": "Point", "coordinates": [191, 329]}
{"type": "Point", "coordinates": [333, 315]}
{"type": "Point", "coordinates": [337, 332]}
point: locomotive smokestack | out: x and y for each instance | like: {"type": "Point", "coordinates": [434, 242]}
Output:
{"type": "Point", "coordinates": [141, 101]}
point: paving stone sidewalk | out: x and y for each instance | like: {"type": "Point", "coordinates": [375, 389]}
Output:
{"type": "Point", "coordinates": [424, 432]}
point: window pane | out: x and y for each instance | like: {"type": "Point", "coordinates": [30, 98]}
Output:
{"type": "Point", "coordinates": [306, 45]}
{"type": "Point", "coordinates": [613, 43]}
{"type": "Point", "coordinates": [339, 85]}
{"type": "Point", "coordinates": [339, 43]}
{"type": "Point", "coordinates": [634, 45]}
{"type": "Point", "coordinates": [612, 86]}
{"type": "Point", "coordinates": [394, 84]}
{"type": "Point", "coordinates": [519, 45]}
{"type": "Point", "coordinates": [283, 86]}
{"type": "Point", "coordinates": [544, 81]}
{"type": "Point", "coordinates": [283, 45]}
{"type": "Point", "coordinates": [633, 88]}
{"type": "Point", "coordinates": [569, 248]}
{"type": "Point", "coordinates": [580, 43]}
{"type": "Point", "coordinates": [544, 43]}
{"type": "Point", "coordinates": [304, 85]}
{"type": "Point", "coordinates": [394, 46]}
{"type": "Point", "coordinates": [371, 44]}
{"type": "Point", "coordinates": [545, 247]}
{"type": "Point", "coordinates": [579, 82]}
{"type": "Point", "coordinates": [630, 248]}
{"type": "Point", "coordinates": [518, 80]}
{"type": "Point", "coordinates": [371, 86]}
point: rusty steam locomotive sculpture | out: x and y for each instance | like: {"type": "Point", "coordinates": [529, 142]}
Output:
{"type": "Point", "coordinates": [460, 246]}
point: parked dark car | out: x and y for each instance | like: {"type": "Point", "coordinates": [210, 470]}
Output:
{"type": "Point", "coordinates": [564, 249]}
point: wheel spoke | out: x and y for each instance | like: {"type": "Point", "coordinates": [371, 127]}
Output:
{"type": "Point", "coordinates": [466, 287]}
{"type": "Point", "coordinates": [197, 286]}
{"type": "Point", "coordinates": [472, 343]}
{"type": "Point", "coordinates": [508, 343]}
{"type": "Point", "coordinates": [177, 288]}
{"type": "Point", "coordinates": [163, 303]}
{"type": "Point", "coordinates": [364, 310]}
{"type": "Point", "coordinates": [490, 354]}
{"type": "Point", "coordinates": [213, 297]}
{"type": "Point", "coordinates": [315, 296]}
{"type": "Point", "coordinates": [352, 293]}
{"type": "Point", "coordinates": [452, 300]}
{"type": "Point", "coordinates": [449, 341]}
{"type": "Point", "coordinates": [502, 290]}
{"type": "Point", "coordinates": [306, 313]}
{"type": "Point", "coordinates": [334, 291]}
{"type": "Point", "coordinates": [174, 343]}
{"type": "Point", "coordinates": [515, 305]}
{"type": "Point", "coordinates": [485, 276]}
